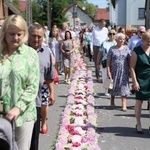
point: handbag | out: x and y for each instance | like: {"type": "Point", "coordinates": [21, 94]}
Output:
{"type": "Point", "coordinates": [104, 62]}
{"type": "Point", "coordinates": [56, 79]}
{"type": "Point", "coordinates": [108, 83]}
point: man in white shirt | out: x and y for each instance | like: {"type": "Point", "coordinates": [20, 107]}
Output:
{"type": "Point", "coordinates": [136, 38]}
{"type": "Point", "coordinates": [99, 35]}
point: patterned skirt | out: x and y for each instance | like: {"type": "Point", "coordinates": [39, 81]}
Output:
{"type": "Point", "coordinates": [45, 95]}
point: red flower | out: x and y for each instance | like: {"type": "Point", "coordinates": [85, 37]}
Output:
{"type": "Point", "coordinates": [76, 144]}
{"type": "Point", "coordinates": [70, 128]}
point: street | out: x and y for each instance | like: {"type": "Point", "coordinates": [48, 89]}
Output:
{"type": "Point", "coordinates": [116, 128]}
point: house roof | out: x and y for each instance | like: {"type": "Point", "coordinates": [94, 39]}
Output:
{"type": "Point", "coordinates": [66, 9]}
{"type": "Point", "coordinates": [12, 8]}
{"type": "Point", "coordinates": [102, 13]}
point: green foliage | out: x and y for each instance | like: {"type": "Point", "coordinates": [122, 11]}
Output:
{"type": "Point", "coordinates": [15, 3]}
{"type": "Point", "coordinates": [58, 16]}
{"type": "Point", "coordinates": [89, 7]}
{"type": "Point", "coordinates": [39, 10]}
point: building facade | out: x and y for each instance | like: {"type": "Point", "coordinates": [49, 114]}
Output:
{"type": "Point", "coordinates": [127, 13]}
{"type": "Point", "coordinates": [147, 14]}
{"type": "Point", "coordinates": [74, 14]}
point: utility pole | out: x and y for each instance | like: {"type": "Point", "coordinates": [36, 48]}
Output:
{"type": "Point", "coordinates": [49, 13]}
{"type": "Point", "coordinates": [74, 13]}
{"type": "Point", "coordinates": [29, 12]}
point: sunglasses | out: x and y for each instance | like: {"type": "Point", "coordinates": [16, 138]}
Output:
{"type": "Point", "coordinates": [111, 33]}
{"type": "Point", "coordinates": [142, 32]}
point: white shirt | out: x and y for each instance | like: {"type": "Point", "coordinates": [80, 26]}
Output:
{"type": "Point", "coordinates": [99, 35]}
{"type": "Point", "coordinates": [133, 41]}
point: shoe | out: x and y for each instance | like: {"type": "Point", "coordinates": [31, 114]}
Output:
{"type": "Point", "coordinates": [44, 131]}
{"type": "Point", "coordinates": [139, 131]}
{"type": "Point", "coordinates": [98, 79]}
{"type": "Point", "coordinates": [112, 106]}
{"type": "Point", "coordinates": [68, 81]}
{"type": "Point", "coordinates": [107, 94]}
{"type": "Point", "coordinates": [124, 109]}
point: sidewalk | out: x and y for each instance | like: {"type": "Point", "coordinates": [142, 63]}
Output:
{"type": "Point", "coordinates": [116, 128]}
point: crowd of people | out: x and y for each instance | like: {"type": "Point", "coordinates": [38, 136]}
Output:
{"type": "Point", "coordinates": [31, 56]}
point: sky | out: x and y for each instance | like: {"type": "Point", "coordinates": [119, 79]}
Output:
{"type": "Point", "coordinates": [100, 3]}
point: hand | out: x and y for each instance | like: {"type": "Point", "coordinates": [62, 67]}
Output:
{"type": "Point", "coordinates": [109, 75]}
{"type": "Point", "coordinates": [51, 100]}
{"type": "Point", "coordinates": [92, 53]}
{"type": "Point", "coordinates": [136, 86]}
{"type": "Point", "coordinates": [68, 53]}
{"type": "Point", "coordinates": [13, 114]}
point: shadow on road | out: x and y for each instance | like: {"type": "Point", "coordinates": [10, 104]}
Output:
{"type": "Point", "coordinates": [123, 131]}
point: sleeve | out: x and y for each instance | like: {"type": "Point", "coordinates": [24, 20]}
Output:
{"type": "Point", "coordinates": [50, 70]}
{"type": "Point", "coordinates": [109, 55]}
{"type": "Point", "coordinates": [32, 84]}
{"type": "Point", "coordinates": [129, 52]}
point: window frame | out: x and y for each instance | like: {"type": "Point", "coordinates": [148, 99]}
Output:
{"type": "Point", "coordinates": [141, 13]}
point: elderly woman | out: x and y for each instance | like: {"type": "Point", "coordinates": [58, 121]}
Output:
{"type": "Point", "coordinates": [102, 55]}
{"type": "Point", "coordinates": [118, 69]}
{"type": "Point", "coordinates": [19, 78]}
{"type": "Point", "coordinates": [140, 72]}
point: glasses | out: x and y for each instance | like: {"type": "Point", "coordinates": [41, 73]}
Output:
{"type": "Point", "coordinates": [142, 32]}
{"type": "Point", "coordinates": [111, 33]}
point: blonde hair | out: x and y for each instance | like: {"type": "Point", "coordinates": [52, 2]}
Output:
{"type": "Point", "coordinates": [19, 22]}
{"type": "Point", "coordinates": [57, 36]}
{"type": "Point", "coordinates": [146, 36]}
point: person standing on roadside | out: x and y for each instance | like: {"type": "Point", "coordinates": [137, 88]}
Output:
{"type": "Point", "coordinates": [36, 34]}
{"type": "Point", "coordinates": [99, 35]}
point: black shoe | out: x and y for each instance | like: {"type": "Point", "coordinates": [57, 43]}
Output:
{"type": "Point", "coordinates": [139, 132]}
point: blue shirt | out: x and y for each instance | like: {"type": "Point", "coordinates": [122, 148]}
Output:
{"type": "Point", "coordinates": [106, 45]}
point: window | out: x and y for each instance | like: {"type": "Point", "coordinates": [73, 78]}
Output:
{"type": "Point", "coordinates": [74, 15]}
{"type": "Point", "coordinates": [141, 13]}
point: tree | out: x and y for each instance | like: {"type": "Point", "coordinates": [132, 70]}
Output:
{"type": "Point", "coordinates": [39, 12]}
{"type": "Point", "coordinates": [89, 8]}
{"type": "Point", "coordinates": [58, 16]}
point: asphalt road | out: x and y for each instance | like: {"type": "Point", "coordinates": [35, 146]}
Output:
{"type": "Point", "coordinates": [116, 129]}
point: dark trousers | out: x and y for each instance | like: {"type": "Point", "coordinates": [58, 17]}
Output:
{"type": "Point", "coordinates": [36, 131]}
{"type": "Point", "coordinates": [96, 50]}
{"type": "Point", "coordinates": [89, 52]}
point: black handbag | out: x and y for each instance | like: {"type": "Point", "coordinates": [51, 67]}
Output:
{"type": "Point", "coordinates": [104, 62]}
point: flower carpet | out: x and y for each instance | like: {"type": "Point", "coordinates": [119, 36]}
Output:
{"type": "Point", "coordinates": [77, 129]}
